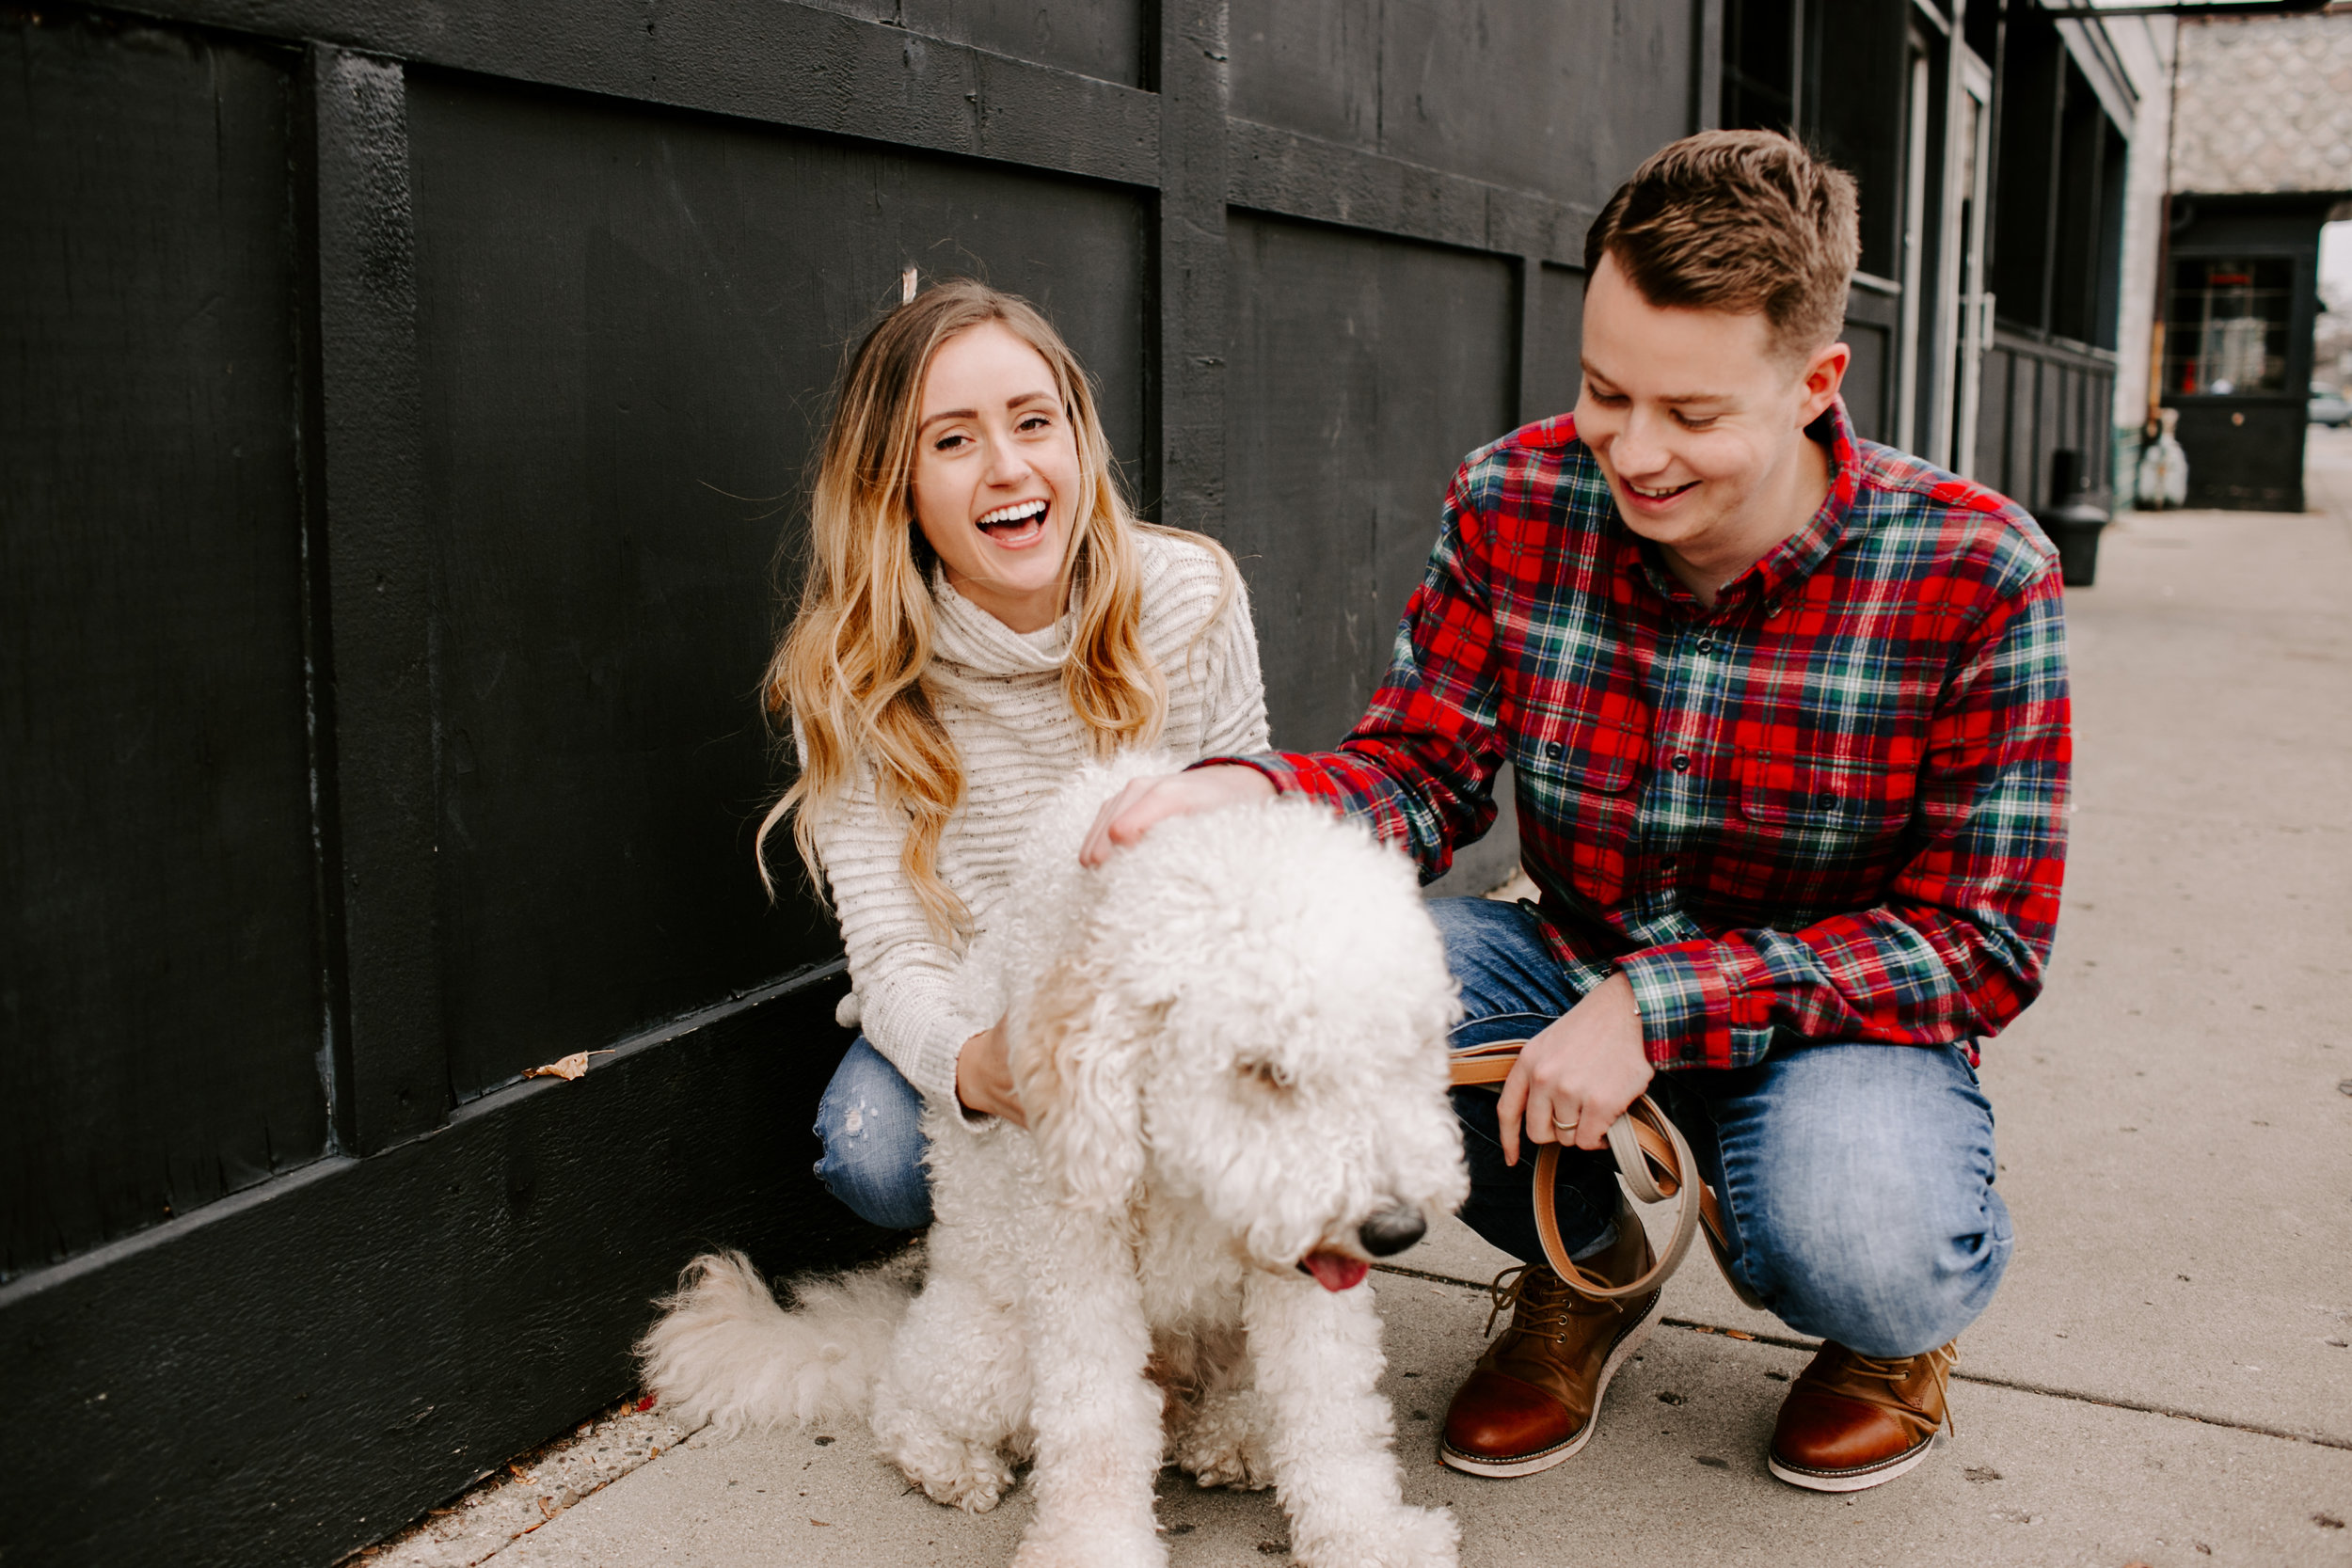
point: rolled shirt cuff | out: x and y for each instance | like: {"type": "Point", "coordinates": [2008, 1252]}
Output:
{"type": "Point", "coordinates": [1693, 1012]}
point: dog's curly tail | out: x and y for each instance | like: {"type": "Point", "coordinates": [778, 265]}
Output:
{"type": "Point", "coordinates": [725, 1353]}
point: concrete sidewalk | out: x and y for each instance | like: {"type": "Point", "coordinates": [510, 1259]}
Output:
{"type": "Point", "coordinates": [2166, 1376]}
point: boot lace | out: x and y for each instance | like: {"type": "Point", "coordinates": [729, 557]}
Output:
{"type": "Point", "coordinates": [1542, 1310]}
{"type": "Point", "coordinates": [1894, 1370]}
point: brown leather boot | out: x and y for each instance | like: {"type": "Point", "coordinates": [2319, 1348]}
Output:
{"type": "Point", "coordinates": [1534, 1397]}
{"type": "Point", "coordinates": [1853, 1421]}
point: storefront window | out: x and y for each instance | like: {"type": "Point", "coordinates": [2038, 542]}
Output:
{"type": "Point", "coordinates": [2228, 327]}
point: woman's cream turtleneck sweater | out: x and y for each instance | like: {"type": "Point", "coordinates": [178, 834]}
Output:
{"type": "Point", "coordinates": [1000, 695]}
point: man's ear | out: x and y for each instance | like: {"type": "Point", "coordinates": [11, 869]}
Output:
{"type": "Point", "coordinates": [1076, 1048]}
{"type": "Point", "coordinates": [1825, 373]}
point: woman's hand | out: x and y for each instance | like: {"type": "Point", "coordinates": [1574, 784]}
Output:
{"type": "Point", "coordinates": [1127, 815]}
{"type": "Point", "coordinates": [1579, 1075]}
{"type": "Point", "coordinates": [984, 1076]}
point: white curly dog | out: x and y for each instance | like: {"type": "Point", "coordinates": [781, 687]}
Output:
{"type": "Point", "coordinates": [1230, 1042]}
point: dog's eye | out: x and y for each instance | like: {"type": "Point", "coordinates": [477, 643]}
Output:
{"type": "Point", "coordinates": [1266, 1075]}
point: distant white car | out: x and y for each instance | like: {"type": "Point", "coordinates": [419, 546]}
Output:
{"type": "Point", "coordinates": [2329, 408]}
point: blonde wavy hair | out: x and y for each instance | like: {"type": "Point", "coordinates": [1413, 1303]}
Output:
{"type": "Point", "coordinates": [850, 673]}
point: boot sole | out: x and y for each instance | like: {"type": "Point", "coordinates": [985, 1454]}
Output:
{"type": "Point", "coordinates": [1854, 1480]}
{"type": "Point", "coordinates": [1528, 1464]}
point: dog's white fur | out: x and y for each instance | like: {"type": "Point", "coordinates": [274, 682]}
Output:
{"type": "Point", "coordinates": [1230, 1042]}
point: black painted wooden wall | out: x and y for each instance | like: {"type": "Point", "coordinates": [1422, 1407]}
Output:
{"type": "Point", "coordinates": [400, 405]}
{"type": "Point", "coordinates": [2056, 274]}
{"type": "Point", "coordinates": [2043, 396]}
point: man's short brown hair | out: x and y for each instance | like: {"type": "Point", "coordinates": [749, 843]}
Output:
{"type": "Point", "coordinates": [1738, 221]}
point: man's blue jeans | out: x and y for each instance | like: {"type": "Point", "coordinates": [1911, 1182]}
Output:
{"type": "Point", "coordinates": [1856, 1181]}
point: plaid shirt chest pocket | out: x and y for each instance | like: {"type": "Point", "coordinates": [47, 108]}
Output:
{"type": "Point", "coordinates": [1580, 782]}
{"type": "Point", "coordinates": [1820, 828]}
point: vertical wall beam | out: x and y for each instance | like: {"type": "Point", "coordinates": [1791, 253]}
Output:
{"type": "Point", "coordinates": [1944, 300]}
{"type": "Point", "coordinates": [318, 647]}
{"type": "Point", "coordinates": [1707, 65]}
{"type": "Point", "coordinates": [2045, 304]}
{"type": "Point", "coordinates": [1796, 67]}
{"type": "Point", "coordinates": [1530, 270]}
{"type": "Point", "coordinates": [2092, 262]}
{"type": "Point", "coordinates": [1996, 108]}
{"type": "Point", "coordinates": [1192, 340]}
{"type": "Point", "coordinates": [393, 1076]}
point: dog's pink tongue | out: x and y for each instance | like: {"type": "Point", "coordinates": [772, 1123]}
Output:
{"type": "Point", "coordinates": [1336, 1271]}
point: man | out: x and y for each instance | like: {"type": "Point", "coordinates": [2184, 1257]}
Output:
{"type": "Point", "coordinates": [1787, 712]}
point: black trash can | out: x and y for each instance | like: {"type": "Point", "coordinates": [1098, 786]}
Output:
{"type": "Point", "coordinates": [2072, 521]}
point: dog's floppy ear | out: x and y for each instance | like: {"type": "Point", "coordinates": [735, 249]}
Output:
{"type": "Point", "coordinates": [1075, 1051]}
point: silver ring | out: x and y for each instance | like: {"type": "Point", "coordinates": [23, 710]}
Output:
{"type": "Point", "coordinates": [1559, 1126]}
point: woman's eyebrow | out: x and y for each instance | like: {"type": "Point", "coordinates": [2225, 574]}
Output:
{"type": "Point", "coordinates": [1013, 402]}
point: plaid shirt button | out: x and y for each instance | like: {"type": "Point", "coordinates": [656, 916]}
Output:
{"type": "Point", "coordinates": [1681, 764]}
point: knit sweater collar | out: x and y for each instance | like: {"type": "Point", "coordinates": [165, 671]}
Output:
{"type": "Point", "coordinates": [965, 634]}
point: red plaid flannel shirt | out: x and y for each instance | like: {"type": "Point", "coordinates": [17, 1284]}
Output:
{"type": "Point", "coordinates": [1830, 807]}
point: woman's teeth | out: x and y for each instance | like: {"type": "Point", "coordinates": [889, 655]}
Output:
{"type": "Point", "coordinates": [1657, 495]}
{"type": "Point", "coordinates": [1014, 518]}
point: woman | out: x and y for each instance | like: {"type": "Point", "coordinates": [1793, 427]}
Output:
{"type": "Point", "coordinates": [981, 614]}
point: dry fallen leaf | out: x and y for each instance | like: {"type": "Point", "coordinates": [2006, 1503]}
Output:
{"type": "Point", "coordinates": [567, 1067]}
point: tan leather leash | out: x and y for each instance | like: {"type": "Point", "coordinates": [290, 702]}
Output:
{"type": "Point", "coordinates": [1651, 1155]}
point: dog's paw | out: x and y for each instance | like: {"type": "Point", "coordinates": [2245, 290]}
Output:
{"type": "Point", "coordinates": [961, 1474]}
{"type": "Point", "coordinates": [1223, 1446]}
{"type": "Point", "coordinates": [1222, 1442]}
{"type": "Point", "coordinates": [1238, 1468]}
{"type": "Point", "coordinates": [1400, 1537]}
{"type": "Point", "coordinates": [974, 1491]}
{"type": "Point", "coordinates": [1238, 1460]}
{"type": "Point", "coordinates": [975, 1484]}
{"type": "Point", "coordinates": [1047, 1546]}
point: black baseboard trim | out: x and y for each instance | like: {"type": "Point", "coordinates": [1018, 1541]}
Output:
{"type": "Point", "coordinates": [291, 1374]}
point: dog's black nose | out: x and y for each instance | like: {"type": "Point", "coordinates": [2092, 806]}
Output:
{"type": "Point", "coordinates": [1391, 1230]}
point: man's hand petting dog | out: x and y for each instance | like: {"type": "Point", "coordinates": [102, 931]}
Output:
{"type": "Point", "coordinates": [1130, 813]}
{"type": "Point", "coordinates": [1581, 1072]}
{"type": "Point", "coordinates": [984, 1076]}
